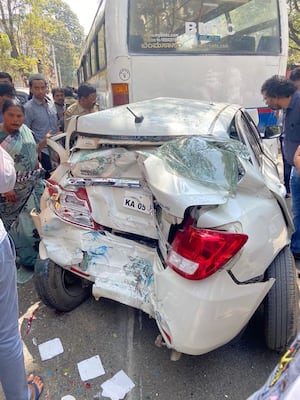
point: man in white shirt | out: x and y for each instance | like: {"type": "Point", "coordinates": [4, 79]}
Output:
{"type": "Point", "coordinates": [15, 384]}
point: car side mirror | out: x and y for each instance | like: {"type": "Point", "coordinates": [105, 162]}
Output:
{"type": "Point", "coordinates": [272, 132]}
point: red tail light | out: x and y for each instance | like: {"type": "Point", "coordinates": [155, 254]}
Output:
{"type": "Point", "coordinates": [198, 253]}
{"type": "Point", "coordinates": [71, 206]}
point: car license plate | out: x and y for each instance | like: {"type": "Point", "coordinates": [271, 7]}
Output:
{"type": "Point", "coordinates": [138, 202]}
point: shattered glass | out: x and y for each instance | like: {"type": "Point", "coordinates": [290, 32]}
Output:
{"type": "Point", "coordinates": [206, 160]}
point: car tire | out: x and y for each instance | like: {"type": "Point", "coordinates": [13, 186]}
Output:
{"type": "Point", "coordinates": [281, 307]}
{"type": "Point", "coordinates": [59, 288]}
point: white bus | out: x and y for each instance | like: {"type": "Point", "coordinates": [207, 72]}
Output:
{"type": "Point", "coordinates": [216, 50]}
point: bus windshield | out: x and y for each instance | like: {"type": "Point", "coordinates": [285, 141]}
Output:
{"type": "Point", "coordinates": [204, 27]}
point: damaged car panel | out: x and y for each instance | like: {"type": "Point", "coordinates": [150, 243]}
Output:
{"type": "Point", "coordinates": [178, 213]}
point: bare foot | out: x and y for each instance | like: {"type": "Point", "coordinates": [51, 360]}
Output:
{"type": "Point", "coordinates": [36, 386]}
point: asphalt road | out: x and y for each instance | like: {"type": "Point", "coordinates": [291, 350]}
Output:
{"type": "Point", "coordinates": [124, 339]}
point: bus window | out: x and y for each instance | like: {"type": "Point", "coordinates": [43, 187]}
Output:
{"type": "Point", "coordinates": [88, 65]}
{"type": "Point", "coordinates": [200, 26]}
{"type": "Point", "coordinates": [82, 73]}
{"type": "Point", "coordinates": [94, 59]}
{"type": "Point", "coordinates": [101, 48]}
{"type": "Point", "coordinates": [268, 44]}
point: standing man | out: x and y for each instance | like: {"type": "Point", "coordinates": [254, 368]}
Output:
{"type": "Point", "coordinates": [58, 95]}
{"type": "Point", "coordinates": [85, 104]}
{"type": "Point", "coordinates": [281, 93]}
{"type": "Point", "coordinates": [70, 96]}
{"type": "Point", "coordinates": [295, 77]}
{"type": "Point", "coordinates": [5, 77]}
{"type": "Point", "coordinates": [40, 116]}
{"type": "Point", "coordinates": [12, 370]}
{"type": "Point", "coordinates": [287, 168]}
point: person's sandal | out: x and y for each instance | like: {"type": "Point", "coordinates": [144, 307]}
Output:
{"type": "Point", "coordinates": [36, 392]}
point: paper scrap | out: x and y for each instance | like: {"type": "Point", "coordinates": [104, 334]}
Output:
{"type": "Point", "coordinates": [68, 397]}
{"type": "Point", "coordinates": [118, 386]}
{"type": "Point", "coordinates": [50, 349]}
{"type": "Point", "coordinates": [90, 368]}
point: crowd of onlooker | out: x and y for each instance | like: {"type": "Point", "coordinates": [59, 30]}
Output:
{"type": "Point", "coordinates": [25, 127]}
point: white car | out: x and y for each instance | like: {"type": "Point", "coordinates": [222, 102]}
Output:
{"type": "Point", "coordinates": [174, 207]}
{"type": "Point", "coordinates": [22, 94]}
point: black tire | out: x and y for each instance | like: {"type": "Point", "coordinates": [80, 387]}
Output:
{"type": "Point", "coordinates": [281, 305]}
{"type": "Point", "coordinates": [58, 288]}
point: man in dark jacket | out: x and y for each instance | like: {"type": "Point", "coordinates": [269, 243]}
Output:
{"type": "Point", "coordinates": [281, 93]}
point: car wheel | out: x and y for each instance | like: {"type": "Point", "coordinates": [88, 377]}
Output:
{"type": "Point", "coordinates": [281, 307]}
{"type": "Point", "coordinates": [58, 288]}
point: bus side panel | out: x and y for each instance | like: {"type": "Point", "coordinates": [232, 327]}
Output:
{"type": "Point", "coordinates": [118, 59]}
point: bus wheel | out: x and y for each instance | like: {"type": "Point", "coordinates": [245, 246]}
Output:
{"type": "Point", "coordinates": [281, 308]}
{"type": "Point", "coordinates": [59, 288]}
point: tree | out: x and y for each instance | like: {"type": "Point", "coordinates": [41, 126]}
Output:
{"type": "Point", "coordinates": [32, 32]}
{"type": "Point", "coordinates": [67, 41]}
{"type": "Point", "coordinates": [294, 31]}
{"type": "Point", "coordinates": [8, 14]}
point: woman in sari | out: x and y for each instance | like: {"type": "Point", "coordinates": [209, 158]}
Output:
{"type": "Point", "coordinates": [15, 206]}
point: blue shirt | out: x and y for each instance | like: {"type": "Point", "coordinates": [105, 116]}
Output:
{"type": "Point", "coordinates": [291, 128]}
{"type": "Point", "coordinates": [40, 118]}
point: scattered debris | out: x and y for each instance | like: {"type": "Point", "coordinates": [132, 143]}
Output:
{"type": "Point", "coordinates": [90, 368]}
{"type": "Point", "coordinates": [50, 349]}
{"type": "Point", "coordinates": [66, 371]}
{"type": "Point", "coordinates": [29, 323]}
{"type": "Point", "coordinates": [115, 388]}
{"type": "Point", "coordinates": [118, 386]}
{"type": "Point", "coordinates": [30, 315]}
{"type": "Point", "coordinates": [49, 372]}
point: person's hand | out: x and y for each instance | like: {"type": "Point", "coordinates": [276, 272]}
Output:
{"type": "Point", "coordinates": [11, 196]}
{"type": "Point", "coordinates": [297, 160]}
{"type": "Point", "coordinates": [43, 144]}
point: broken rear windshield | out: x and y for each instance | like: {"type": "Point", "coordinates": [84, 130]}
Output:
{"type": "Point", "coordinates": [212, 162]}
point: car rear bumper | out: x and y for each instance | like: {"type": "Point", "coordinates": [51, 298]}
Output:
{"type": "Point", "coordinates": [194, 317]}
{"type": "Point", "coordinates": [199, 316]}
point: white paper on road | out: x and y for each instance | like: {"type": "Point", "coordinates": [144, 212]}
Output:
{"type": "Point", "coordinates": [68, 397]}
{"type": "Point", "coordinates": [90, 368]}
{"type": "Point", "coordinates": [50, 349]}
{"type": "Point", "coordinates": [118, 386]}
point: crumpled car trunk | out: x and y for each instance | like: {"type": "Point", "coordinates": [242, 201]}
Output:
{"type": "Point", "coordinates": [124, 186]}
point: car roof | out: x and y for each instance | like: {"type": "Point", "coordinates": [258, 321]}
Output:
{"type": "Point", "coordinates": [22, 90]}
{"type": "Point", "coordinates": [163, 116]}
{"type": "Point", "coordinates": [22, 94]}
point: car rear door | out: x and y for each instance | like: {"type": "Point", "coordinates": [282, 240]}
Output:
{"type": "Point", "coordinates": [261, 159]}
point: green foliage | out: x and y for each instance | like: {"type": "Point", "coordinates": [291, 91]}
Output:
{"type": "Point", "coordinates": [34, 33]}
{"type": "Point", "coordinates": [294, 32]}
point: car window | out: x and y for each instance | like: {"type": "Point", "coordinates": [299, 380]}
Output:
{"type": "Point", "coordinates": [233, 132]}
{"type": "Point", "coordinates": [22, 98]}
{"type": "Point", "coordinates": [248, 133]}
